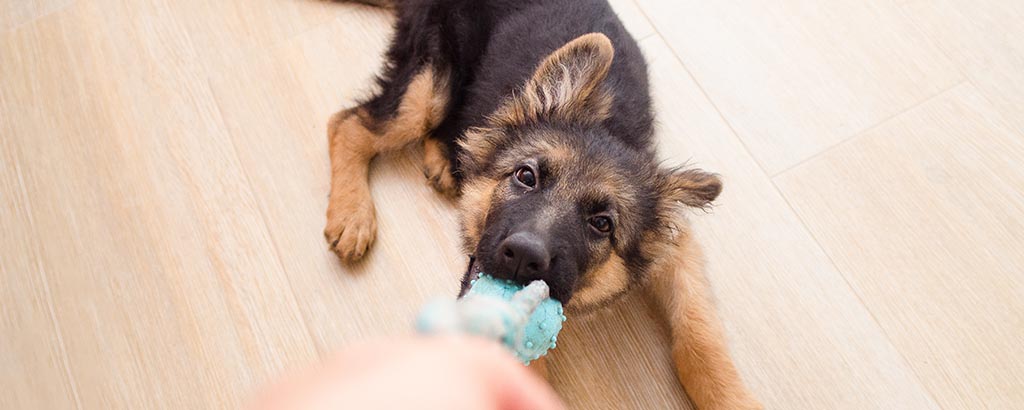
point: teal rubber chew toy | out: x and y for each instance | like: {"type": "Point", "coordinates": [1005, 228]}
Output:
{"type": "Point", "coordinates": [524, 319]}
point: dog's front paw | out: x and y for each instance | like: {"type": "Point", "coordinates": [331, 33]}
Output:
{"type": "Point", "coordinates": [351, 229]}
{"type": "Point", "coordinates": [439, 176]}
{"type": "Point", "coordinates": [437, 168]}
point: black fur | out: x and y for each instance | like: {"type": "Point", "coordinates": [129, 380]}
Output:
{"type": "Point", "coordinates": [491, 47]}
{"type": "Point", "coordinates": [549, 133]}
{"type": "Point", "coordinates": [488, 50]}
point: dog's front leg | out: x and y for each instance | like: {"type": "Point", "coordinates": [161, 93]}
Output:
{"type": "Point", "coordinates": [698, 346]}
{"type": "Point", "coordinates": [356, 136]}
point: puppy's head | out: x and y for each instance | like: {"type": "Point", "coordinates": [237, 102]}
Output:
{"type": "Point", "coordinates": [549, 194]}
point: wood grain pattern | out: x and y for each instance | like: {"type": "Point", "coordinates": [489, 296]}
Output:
{"type": "Point", "coordinates": [633, 18]}
{"type": "Point", "coordinates": [164, 173]}
{"type": "Point", "coordinates": [790, 318]}
{"type": "Point", "coordinates": [164, 283]}
{"type": "Point", "coordinates": [983, 38]}
{"type": "Point", "coordinates": [221, 41]}
{"type": "Point", "coordinates": [932, 245]}
{"type": "Point", "coordinates": [276, 109]}
{"type": "Point", "coordinates": [793, 77]}
{"type": "Point", "coordinates": [618, 357]}
{"type": "Point", "coordinates": [30, 343]}
{"type": "Point", "coordinates": [14, 13]}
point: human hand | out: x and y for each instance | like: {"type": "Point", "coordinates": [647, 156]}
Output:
{"type": "Point", "coordinates": [455, 373]}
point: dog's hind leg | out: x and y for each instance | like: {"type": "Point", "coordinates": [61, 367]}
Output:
{"type": "Point", "coordinates": [406, 110]}
{"type": "Point", "coordinates": [698, 346]}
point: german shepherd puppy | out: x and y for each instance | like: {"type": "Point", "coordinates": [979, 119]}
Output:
{"type": "Point", "coordinates": [536, 113]}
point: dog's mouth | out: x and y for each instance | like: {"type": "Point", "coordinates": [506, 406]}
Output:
{"type": "Point", "coordinates": [473, 271]}
{"type": "Point", "coordinates": [475, 267]}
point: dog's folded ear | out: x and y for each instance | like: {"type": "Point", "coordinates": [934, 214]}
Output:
{"type": "Point", "coordinates": [565, 87]}
{"type": "Point", "coordinates": [692, 187]}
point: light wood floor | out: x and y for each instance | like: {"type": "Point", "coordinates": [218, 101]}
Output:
{"type": "Point", "coordinates": [163, 180]}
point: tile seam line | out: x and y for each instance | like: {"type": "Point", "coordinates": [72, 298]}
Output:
{"type": "Point", "coordinates": [732, 130]}
{"type": "Point", "coordinates": [874, 318]}
{"type": "Point", "coordinates": [880, 123]}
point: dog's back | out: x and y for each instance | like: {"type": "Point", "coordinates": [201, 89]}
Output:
{"type": "Point", "coordinates": [491, 47]}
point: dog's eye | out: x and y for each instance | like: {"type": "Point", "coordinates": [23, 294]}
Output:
{"type": "Point", "coordinates": [602, 224]}
{"type": "Point", "coordinates": [525, 176]}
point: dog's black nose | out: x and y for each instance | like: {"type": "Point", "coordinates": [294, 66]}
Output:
{"type": "Point", "coordinates": [523, 257]}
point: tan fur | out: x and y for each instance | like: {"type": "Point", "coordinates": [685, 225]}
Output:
{"type": "Point", "coordinates": [698, 346]}
{"type": "Point", "coordinates": [602, 285]}
{"type": "Point", "coordinates": [351, 221]}
{"type": "Point", "coordinates": [475, 203]}
{"type": "Point", "coordinates": [477, 144]}
{"type": "Point", "coordinates": [692, 187]}
{"type": "Point", "coordinates": [559, 155]}
{"type": "Point", "coordinates": [565, 87]}
{"type": "Point", "coordinates": [437, 168]}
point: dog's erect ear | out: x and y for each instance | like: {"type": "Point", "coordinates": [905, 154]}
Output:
{"type": "Point", "coordinates": [566, 86]}
{"type": "Point", "coordinates": [692, 187]}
